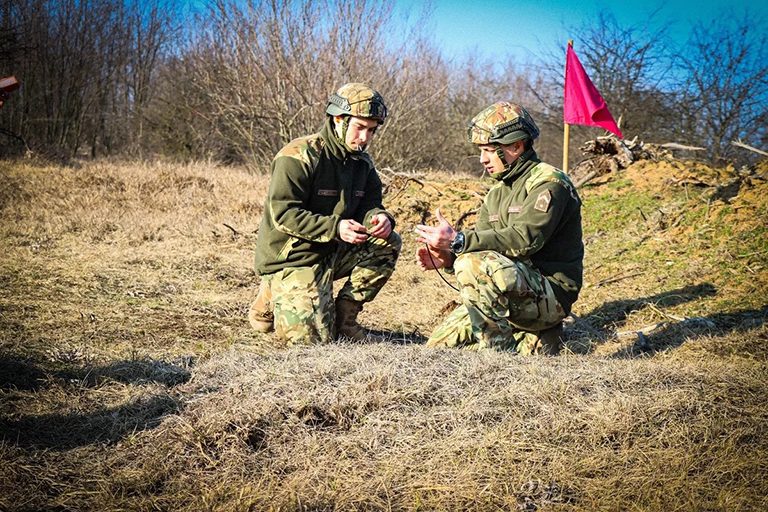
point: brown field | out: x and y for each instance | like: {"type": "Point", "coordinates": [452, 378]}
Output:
{"type": "Point", "coordinates": [129, 378]}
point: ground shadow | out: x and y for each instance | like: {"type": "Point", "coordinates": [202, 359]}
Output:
{"type": "Point", "coordinates": [145, 371]}
{"type": "Point", "coordinates": [20, 374]}
{"type": "Point", "coordinates": [28, 374]}
{"type": "Point", "coordinates": [614, 313]}
{"type": "Point", "coordinates": [105, 425]}
{"type": "Point", "coordinates": [601, 325]}
{"type": "Point", "coordinates": [675, 333]}
{"type": "Point", "coordinates": [25, 379]}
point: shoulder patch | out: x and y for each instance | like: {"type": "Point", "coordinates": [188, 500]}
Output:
{"type": "Point", "coordinates": [545, 173]}
{"type": "Point", "coordinates": [543, 201]}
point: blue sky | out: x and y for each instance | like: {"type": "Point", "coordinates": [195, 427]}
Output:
{"type": "Point", "coordinates": [526, 28]}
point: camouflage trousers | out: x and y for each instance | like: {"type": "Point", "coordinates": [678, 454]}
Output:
{"type": "Point", "coordinates": [302, 297]}
{"type": "Point", "coordinates": [505, 305]}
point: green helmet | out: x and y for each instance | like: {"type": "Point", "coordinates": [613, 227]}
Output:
{"type": "Point", "coordinates": [502, 123]}
{"type": "Point", "coordinates": [355, 99]}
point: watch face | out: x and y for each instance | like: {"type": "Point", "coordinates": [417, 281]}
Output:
{"type": "Point", "coordinates": [458, 243]}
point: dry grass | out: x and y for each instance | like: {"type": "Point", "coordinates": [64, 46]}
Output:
{"type": "Point", "coordinates": [129, 379]}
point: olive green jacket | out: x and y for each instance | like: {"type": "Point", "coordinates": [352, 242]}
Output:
{"type": "Point", "coordinates": [534, 214]}
{"type": "Point", "coordinates": [316, 182]}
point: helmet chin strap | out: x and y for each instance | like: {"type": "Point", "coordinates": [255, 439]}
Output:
{"type": "Point", "coordinates": [341, 132]}
{"type": "Point", "coordinates": [500, 154]}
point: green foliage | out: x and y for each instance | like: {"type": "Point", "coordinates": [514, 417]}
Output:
{"type": "Point", "coordinates": [618, 208]}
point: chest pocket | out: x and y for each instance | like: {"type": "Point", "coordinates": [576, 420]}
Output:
{"type": "Point", "coordinates": [324, 200]}
{"type": "Point", "coordinates": [510, 212]}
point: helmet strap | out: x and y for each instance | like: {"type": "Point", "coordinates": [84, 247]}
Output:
{"type": "Point", "coordinates": [500, 154]}
{"type": "Point", "coordinates": [344, 129]}
{"type": "Point", "coordinates": [340, 124]}
{"type": "Point", "coordinates": [340, 130]}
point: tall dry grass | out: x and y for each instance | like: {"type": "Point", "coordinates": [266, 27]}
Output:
{"type": "Point", "coordinates": [129, 379]}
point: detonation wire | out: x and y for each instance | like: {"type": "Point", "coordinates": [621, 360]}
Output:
{"type": "Point", "coordinates": [434, 265]}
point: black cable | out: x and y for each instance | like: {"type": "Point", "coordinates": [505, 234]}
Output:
{"type": "Point", "coordinates": [438, 270]}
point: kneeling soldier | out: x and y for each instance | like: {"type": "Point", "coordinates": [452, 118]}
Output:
{"type": "Point", "coordinates": [520, 269]}
{"type": "Point", "coordinates": [324, 220]}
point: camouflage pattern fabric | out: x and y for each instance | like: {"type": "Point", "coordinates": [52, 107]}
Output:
{"type": "Point", "coordinates": [356, 99]}
{"type": "Point", "coordinates": [302, 297]}
{"type": "Point", "coordinates": [502, 123]}
{"type": "Point", "coordinates": [505, 303]}
{"type": "Point", "coordinates": [315, 183]}
{"type": "Point", "coordinates": [512, 221]}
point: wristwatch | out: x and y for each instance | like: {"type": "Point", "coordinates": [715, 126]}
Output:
{"type": "Point", "coordinates": [457, 244]}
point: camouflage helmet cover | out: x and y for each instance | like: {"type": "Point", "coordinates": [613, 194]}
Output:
{"type": "Point", "coordinates": [355, 99]}
{"type": "Point", "coordinates": [502, 123]}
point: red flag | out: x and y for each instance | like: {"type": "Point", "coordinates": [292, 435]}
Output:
{"type": "Point", "coordinates": [583, 103]}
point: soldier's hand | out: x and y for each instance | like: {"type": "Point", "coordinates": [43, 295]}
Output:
{"type": "Point", "coordinates": [438, 237]}
{"type": "Point", "coordinates": [429, 258]}
{"type": "Point", "coordinates": [352, 231]}
{"type": "Point", "coordinates": [381, 226]}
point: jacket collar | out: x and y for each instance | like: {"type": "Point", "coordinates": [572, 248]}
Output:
{"type": "Point", "coordinates": [332, 142]}
{"type": "Point", "coordinates": [335, 145]}
{"type": "Point", "coordinates": [523, 164]}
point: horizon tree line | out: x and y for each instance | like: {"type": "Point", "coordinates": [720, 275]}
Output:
{"type": "Point", "coordinates": [236, 80]}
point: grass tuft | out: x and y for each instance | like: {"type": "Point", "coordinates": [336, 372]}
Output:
{"type": "Point", "coordinates": [130, 380]}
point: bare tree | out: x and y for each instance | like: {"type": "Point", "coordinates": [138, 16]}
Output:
{"type": "Point", "coordinates": [110, 77]}
{"type": "Point", "coordinates": [727, 63]}
{"type": "Point", "coordinates": [85, 68]}
{"type": "Point", "coordinates": [264, 71]}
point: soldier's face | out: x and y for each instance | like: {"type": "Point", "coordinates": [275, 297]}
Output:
{"type": "Point", "coordinates": [360, 132]}
{"type": "Point", "coordinates": [489, 157]}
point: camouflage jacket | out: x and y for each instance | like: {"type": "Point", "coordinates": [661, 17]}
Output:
{"type": "Point", "coordinates": [534, 214]}
{"type": "Point", "coordinates": [315, 184]}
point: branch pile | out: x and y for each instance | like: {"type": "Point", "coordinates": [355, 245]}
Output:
{"type": "Point", "coordinates": [608, 154]}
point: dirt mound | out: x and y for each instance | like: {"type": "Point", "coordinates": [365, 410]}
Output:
{"type": "Point", "coordinates": [414, 198]}
{"type": "Point", "coordinates": [737, 197]}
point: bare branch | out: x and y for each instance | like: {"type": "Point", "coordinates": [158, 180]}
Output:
{"type": "Point", "coordinates": [740, 144]}
{"type": "Point", "coordinates": [675, 145]}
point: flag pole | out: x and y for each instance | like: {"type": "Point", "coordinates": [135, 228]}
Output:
{"type": "Point", "coordinates": [566, 134]}
{"type": "Point", "coordinates": [566, 128]}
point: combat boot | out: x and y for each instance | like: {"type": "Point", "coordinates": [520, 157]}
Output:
{"type": "Point", "coordinates": [260, 315]}
{"type": "Point", "coordinates": [346, 319]}
{"type": "Point", "coordinates": [547, 342]}
{"type": "Point", "coordinates": [551, 340]}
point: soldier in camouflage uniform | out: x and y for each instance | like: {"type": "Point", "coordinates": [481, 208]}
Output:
{"type": "Point", "coordinates": [520, 269]}
{"type": "Point", "coordinates": [324, 220]}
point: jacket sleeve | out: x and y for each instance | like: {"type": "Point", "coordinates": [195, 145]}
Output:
{"type": "Point", "coordinates": [290, 190]}
{"type": "Point", "coordinates": [372, 200]}
{"type": "Point", "coordinates": [530, 230]}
